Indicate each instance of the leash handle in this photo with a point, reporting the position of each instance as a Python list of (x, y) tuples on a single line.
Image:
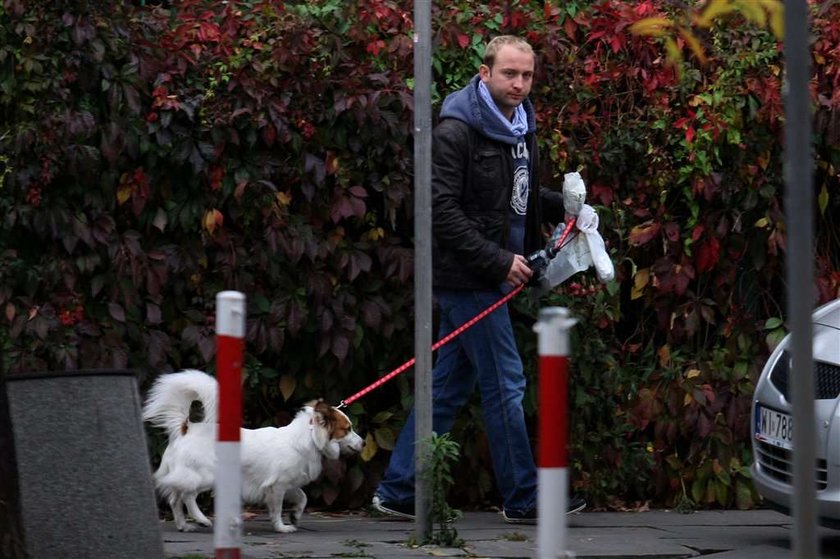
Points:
[(559, 244)]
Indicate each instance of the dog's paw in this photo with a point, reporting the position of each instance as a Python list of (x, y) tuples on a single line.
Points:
[(206, 522), (285, 528), (187, 527)]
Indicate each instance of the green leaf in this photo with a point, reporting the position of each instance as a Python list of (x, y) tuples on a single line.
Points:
[(384, 438), (722, 493), (772, 323), (822, 199), (774, 338), (744, 496), (382, 417), (698, 490)]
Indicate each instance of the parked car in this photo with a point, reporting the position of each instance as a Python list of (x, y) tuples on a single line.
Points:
[(772, 425)]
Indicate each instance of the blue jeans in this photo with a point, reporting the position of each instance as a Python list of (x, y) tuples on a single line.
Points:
[(486, 353)]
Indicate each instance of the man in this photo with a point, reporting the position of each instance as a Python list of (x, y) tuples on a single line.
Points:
[(487, 215)]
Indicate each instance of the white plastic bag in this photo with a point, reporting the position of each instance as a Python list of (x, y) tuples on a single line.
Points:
[(572, 258), (574, 193), (578, 253), (587, 223)]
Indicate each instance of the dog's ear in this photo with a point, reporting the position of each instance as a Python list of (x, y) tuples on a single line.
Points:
[(325, 411), (341, 424), (324, 419), (321, 430)]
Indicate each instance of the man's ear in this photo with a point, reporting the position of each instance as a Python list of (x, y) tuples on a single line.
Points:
[(484, 72)]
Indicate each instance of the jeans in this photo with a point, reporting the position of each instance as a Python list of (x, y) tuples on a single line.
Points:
[(485, 353)]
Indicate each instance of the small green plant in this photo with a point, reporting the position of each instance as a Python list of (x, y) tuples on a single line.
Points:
[(515, 537), (441, 452), (684, 503), (359, 549), (351, 554), (355, 543)]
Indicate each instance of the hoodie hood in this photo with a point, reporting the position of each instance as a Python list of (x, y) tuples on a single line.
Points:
[(467, 106)]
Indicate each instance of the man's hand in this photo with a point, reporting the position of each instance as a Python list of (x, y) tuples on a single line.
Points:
[(519, 272)]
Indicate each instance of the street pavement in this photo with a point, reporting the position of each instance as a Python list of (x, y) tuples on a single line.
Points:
[(657, 534)]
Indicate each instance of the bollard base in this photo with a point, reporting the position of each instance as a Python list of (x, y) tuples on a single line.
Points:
[(552, 501)]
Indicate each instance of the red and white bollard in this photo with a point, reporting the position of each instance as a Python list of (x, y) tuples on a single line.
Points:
[(230, 343), (552, 330)]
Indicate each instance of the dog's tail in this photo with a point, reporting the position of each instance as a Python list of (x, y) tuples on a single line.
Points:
[(169, 400)]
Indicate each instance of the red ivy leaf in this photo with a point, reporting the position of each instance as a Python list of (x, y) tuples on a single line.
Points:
[(269, 134), (697, 232), (642, 234), (358, 191), (341, 207), (463, 40), (359, 262), (375, 46), (208, 31), (326, 321), (570, 26), (708, 254), (153, 314), (602, 193), (340, 346), (672, 277), (116, 311), (295, 316), (704, 424), (371, 314), (348, 206), (329, 493), (672, 231), (207, 347)]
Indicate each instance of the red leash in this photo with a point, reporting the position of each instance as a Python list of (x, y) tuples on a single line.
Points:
[(455, 333), (441, 342)]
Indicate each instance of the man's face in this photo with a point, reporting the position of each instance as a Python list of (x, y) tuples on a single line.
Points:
[(509, 80)]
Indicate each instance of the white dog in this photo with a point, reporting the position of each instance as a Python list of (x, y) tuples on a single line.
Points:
[(276, 462)]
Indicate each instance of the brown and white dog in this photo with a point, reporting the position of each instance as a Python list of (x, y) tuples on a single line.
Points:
[(276, 462)]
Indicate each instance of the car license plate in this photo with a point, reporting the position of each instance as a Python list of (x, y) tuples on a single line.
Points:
[(773, 427)]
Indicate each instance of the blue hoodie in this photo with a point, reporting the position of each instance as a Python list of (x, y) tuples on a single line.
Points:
[(467, 106)]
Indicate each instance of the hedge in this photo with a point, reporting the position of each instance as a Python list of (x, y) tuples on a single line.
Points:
[(151, 156)]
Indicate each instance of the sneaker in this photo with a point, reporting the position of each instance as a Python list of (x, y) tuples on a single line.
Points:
[(397, 510), (576, 504), (516, 517)]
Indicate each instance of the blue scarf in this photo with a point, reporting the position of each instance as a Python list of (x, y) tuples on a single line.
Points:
[(519, 126)]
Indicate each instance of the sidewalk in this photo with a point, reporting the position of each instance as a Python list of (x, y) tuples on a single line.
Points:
[(759, 534)]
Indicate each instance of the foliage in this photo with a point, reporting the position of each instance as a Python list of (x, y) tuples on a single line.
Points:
[(768, 13), (153, 156)]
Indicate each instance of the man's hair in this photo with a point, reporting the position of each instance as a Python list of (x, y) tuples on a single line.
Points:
[(497, 43)]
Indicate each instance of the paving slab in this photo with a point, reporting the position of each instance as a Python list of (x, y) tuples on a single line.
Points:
[(659, 534)]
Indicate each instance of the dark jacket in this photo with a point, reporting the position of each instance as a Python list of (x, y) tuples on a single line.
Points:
[(472, 180)]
